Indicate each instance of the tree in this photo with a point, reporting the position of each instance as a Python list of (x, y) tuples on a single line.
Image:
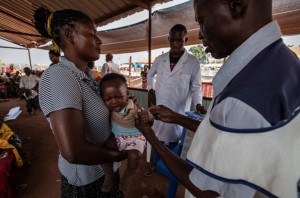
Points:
[(199, 52)]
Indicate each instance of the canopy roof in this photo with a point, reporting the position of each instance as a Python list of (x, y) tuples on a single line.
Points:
[(16, 16), (134, 38), (16, 21)]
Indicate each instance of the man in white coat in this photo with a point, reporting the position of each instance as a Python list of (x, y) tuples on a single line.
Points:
[(178, 84)]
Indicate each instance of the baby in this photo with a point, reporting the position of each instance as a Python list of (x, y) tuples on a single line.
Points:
[(113, 89)]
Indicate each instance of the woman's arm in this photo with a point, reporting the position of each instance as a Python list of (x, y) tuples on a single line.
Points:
[(68, 127)]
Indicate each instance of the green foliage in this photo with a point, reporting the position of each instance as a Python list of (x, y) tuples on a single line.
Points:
[(199, 52)]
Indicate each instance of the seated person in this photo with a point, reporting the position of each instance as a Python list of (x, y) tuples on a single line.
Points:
[(10, 145), (113, 89)]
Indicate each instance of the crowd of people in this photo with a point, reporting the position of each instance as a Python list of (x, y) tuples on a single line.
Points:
[(10, 79), (254, 111), (9, 82)]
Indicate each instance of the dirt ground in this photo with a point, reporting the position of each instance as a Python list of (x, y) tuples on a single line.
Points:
[(41, 173)]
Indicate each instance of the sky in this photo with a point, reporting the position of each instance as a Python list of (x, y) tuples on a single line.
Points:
[(41, 56)]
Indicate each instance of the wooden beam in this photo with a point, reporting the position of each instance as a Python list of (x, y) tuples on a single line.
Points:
[(15, 17), (140, 3), (20, 33)]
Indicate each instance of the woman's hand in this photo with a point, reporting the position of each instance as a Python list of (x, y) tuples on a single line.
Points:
[(123, 155)]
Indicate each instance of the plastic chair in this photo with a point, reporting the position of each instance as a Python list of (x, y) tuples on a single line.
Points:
[(161, 167)]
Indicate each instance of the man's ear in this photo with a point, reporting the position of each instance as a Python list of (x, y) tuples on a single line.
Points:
[(68, 35), (186, 39), (238, 8)]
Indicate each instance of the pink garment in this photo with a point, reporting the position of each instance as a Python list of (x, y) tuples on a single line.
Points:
[(131, 142), (6, 159)]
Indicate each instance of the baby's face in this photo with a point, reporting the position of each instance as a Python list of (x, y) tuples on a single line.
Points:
[(114, 94)]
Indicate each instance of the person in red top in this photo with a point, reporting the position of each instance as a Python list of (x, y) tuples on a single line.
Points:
[(12, 69), (97, 75)]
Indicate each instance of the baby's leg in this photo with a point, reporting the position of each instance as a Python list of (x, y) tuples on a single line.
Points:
[(108, 167), (133, 157), (108, 177)]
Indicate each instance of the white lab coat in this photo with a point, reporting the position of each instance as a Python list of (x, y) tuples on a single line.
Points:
[(175, 89)]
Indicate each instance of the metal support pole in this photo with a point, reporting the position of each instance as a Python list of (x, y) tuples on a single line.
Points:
[(19, 48), (29, 58), (129, 71), (149, 33)]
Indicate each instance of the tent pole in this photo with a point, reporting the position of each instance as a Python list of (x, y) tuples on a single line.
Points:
[(29, 58), (149, 33), (20, 48), (148, 154)]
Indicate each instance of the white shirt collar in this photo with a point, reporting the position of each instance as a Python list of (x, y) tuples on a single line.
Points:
[(183, 57), (242, 55)]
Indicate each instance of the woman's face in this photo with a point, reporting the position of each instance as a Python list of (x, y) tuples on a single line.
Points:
[(114, 94), (86, 41)]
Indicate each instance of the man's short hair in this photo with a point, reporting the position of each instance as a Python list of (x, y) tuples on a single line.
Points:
[(109, 56), (179, 28), (26, 68), (55, 53)]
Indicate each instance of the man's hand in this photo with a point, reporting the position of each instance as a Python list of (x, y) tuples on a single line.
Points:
[(27, 92), (162, 113), (152, 96), (201, 109), (145, 116), (142, 124)]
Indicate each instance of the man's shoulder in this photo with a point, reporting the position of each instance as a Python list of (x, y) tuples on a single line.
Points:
[(110, 64), (115, 64), (162, 56), (192, 58)]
